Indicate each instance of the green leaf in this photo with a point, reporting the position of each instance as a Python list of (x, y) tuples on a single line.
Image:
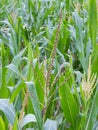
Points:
[(17, 91), (79, 40), (68, 5), (93, 21), (69, 104), (15, 124), (30, 56), (16, 60), (35, 104), (27, 119), (50, 125), (2, 125), (13, 68), (8, 110), (39, 82), (3, 89)]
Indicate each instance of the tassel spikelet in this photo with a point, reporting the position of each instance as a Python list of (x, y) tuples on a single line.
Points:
[(23, 107), (53, 53), (90, 83), (58, 75), (47, 73)]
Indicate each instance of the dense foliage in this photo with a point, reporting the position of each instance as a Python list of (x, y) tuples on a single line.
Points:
[(48, 65)]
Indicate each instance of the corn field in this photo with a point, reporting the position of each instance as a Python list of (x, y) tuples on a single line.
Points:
[(48, 64)]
